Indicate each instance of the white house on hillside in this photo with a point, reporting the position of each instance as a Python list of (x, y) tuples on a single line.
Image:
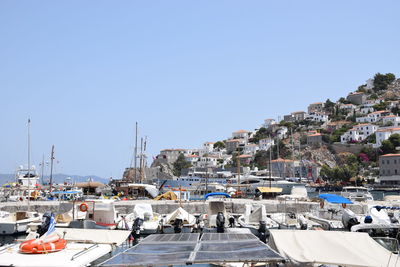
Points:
[(250, 149), (317, 116), (268, 122), (358, 133), (265, 143), (241, 134), (374, 116), (384, 134), (393, 119)]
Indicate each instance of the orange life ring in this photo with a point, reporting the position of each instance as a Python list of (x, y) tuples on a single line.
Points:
[(83, 207), (344, 205), (321, 204), (37, 246)]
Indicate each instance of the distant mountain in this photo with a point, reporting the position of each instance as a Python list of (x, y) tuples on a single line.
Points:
[(57, 178)]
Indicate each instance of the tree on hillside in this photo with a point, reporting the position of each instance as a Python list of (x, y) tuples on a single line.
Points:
[(180, 164), (381, 106), (390, 145), (381, 81), (219, 145), (260, 134), (261, 159), (329, 106)]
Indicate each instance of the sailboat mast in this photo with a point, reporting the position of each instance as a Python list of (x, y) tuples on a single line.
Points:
[(51, 168), (42, 175), (269, 162), (135, 159), (141, 160), (29, 161)]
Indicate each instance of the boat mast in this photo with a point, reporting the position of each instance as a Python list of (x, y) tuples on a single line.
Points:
[(29, 161), (135, 158), (51, 167), (269, 162), (42, 175), (141, 160)]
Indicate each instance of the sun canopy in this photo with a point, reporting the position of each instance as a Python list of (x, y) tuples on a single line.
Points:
[(270, 189), (332, 198), (330, 247)]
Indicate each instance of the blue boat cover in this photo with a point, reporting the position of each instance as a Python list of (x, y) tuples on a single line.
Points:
[(217, 194), (332, 198)]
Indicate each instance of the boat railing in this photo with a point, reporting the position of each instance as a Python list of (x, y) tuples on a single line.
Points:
[(86, 250)]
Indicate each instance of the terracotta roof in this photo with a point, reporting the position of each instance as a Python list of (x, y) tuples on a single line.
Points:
[(317, 134), (316, 103), (241, 131), (389, 129), (244, 156), (391, 155), (233, 140), (192, 156), (390, 116), (364, 124), (379, 111), (281, 160), (297, 112), (251, 145)]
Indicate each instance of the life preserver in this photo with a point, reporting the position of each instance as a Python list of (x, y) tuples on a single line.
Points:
[(344, 205), (49, 244), (321, 204), (83, 207)]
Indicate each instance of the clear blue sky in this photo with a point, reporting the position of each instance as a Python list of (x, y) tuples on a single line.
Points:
[(187, 71)]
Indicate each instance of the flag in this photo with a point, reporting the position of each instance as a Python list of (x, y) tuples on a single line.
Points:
[(52, 226)]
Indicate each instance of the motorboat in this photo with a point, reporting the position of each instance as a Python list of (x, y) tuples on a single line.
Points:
[(27, 177), (83, 246), (217, 218), (17, 222), (101, 211), (142, 221), (255, 219), (356, 193), (298, 193), (178, 221)]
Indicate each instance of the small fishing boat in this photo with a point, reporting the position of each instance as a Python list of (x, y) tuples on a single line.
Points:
[(17, 222), (356, 193)]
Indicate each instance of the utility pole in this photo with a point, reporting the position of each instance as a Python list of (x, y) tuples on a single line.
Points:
[(51, 168)]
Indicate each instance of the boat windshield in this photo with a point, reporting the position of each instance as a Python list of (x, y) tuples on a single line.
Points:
[(390, 244)]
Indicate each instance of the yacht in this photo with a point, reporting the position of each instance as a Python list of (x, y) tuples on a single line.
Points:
[(17, 222), (263, 181), (27, 177), (356, 193)]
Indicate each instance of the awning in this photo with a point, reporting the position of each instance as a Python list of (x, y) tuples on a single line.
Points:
[(348, 249), (270, 189), (332, 198), (185, 249)]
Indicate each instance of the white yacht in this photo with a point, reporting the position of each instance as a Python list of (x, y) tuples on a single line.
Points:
[(27, 177), (356, 193), (263, 181)]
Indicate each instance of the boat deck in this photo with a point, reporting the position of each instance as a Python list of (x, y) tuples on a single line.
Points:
[(190, 248)]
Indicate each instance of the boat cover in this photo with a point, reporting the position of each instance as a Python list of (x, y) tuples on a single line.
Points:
[(182, 249), (180, 213), (330, 247), (217, 194), (100, 236), (332, 198), (270, 189)]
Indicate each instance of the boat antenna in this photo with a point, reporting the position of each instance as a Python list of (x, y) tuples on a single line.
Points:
[(51, 167), (29, 161)]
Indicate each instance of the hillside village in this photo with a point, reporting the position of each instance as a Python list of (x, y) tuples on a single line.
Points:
[(344, 141)]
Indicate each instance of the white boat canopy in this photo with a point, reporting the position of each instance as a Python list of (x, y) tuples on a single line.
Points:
[(336, 248)]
